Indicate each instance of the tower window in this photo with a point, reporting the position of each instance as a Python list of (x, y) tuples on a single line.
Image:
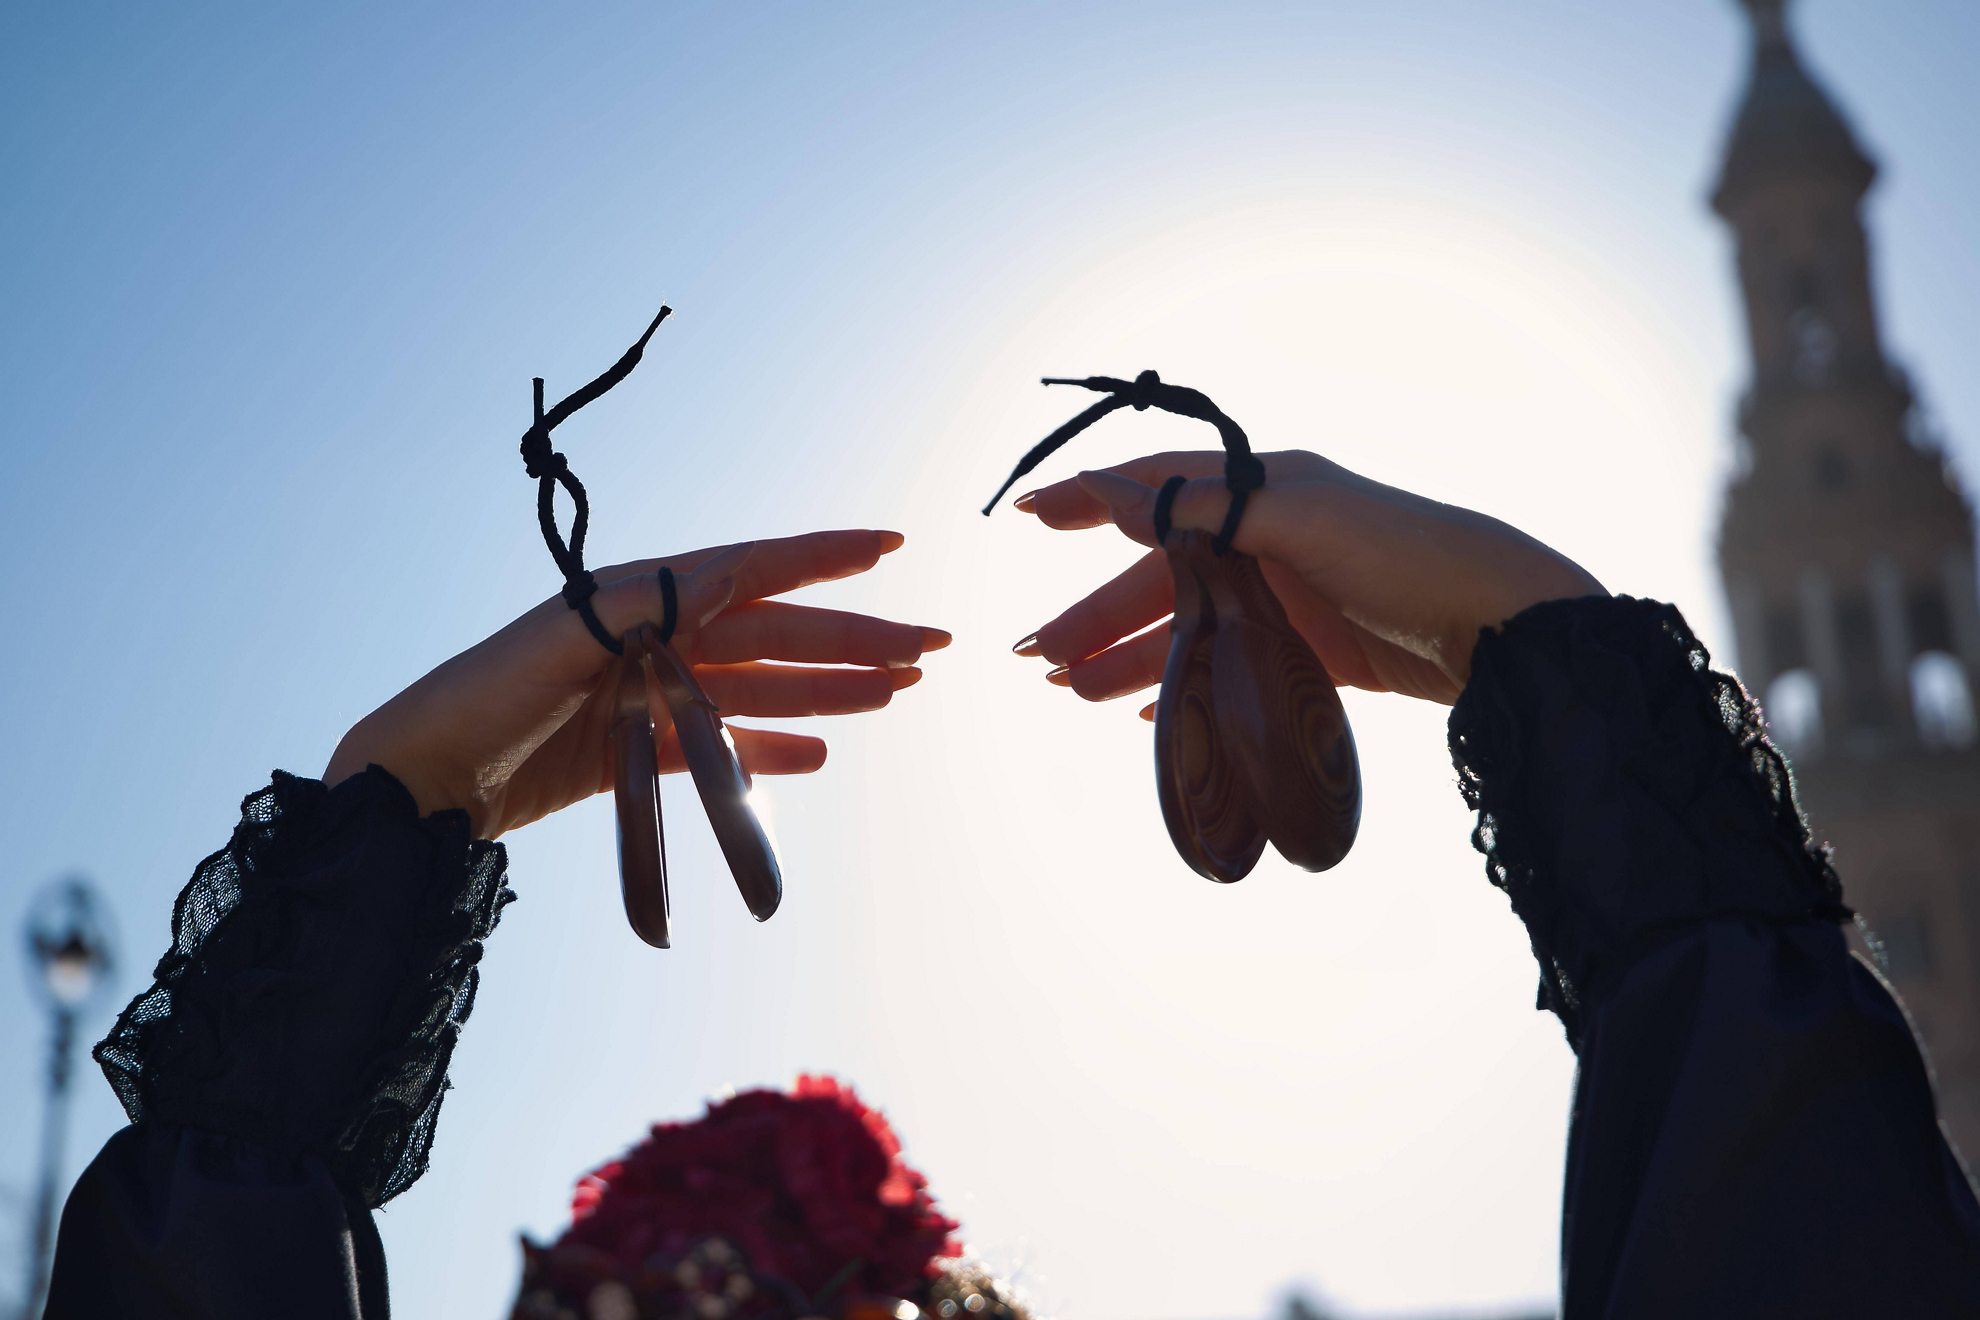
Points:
[(1941, 702), (1814, 346), (1866, 704), (1794, 712), (1926, 621), (1831, 468), (1783, 640)]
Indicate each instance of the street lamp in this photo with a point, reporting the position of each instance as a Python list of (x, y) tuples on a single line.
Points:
[(68, 939)]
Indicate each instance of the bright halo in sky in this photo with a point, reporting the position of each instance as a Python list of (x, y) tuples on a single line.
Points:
[(1341, 1074)]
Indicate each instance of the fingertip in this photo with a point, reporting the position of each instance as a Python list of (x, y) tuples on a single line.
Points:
[(810, 754), (1028, 647), (1148, 712), (890, 542), (905, 677), (1060, 676), (1026, 503), (934, 639)]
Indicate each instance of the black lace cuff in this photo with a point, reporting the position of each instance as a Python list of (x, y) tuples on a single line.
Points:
[(321, 966), (1625, 792)]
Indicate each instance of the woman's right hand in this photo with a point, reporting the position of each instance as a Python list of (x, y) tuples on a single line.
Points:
[(1389, 588)]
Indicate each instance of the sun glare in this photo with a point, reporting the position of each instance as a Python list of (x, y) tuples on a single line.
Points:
[(1263, 1035)]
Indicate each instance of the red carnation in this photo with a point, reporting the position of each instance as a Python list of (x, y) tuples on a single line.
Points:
[(808, 1184)]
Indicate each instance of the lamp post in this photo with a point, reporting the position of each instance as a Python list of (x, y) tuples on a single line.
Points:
[(68, 938)]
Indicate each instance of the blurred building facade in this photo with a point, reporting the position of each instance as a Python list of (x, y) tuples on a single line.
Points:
[(1847, 553)]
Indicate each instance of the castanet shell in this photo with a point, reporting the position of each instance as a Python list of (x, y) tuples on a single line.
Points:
[(1280, 718), (719, 779), (636, 788), (1203, 799)]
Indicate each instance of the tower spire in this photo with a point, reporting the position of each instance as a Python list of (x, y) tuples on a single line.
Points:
[(1786, 124), (1769, 21)]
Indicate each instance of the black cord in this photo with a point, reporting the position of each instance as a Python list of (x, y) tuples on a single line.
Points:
[(1165, 500), (670, 605), (550, 469), (1243, 472)]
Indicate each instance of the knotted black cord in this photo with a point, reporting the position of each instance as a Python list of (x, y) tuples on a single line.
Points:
[(1243, 472), (550, 469)]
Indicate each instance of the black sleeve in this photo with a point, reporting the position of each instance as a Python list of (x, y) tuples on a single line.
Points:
[(284, 1072), (1753, 1132)]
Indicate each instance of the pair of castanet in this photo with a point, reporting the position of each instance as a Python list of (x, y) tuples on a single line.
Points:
[(1251, 742), (652, 668)]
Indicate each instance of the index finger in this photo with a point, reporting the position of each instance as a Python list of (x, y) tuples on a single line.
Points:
[(1066, 505), (783, 563)]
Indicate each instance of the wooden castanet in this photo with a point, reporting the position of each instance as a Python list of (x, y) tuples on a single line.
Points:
[(1251, 742), (1203, 800), (636, 787), (1280, 717), (718, 778)]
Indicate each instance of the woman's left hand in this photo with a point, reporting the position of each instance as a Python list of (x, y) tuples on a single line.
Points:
[(519, 725)]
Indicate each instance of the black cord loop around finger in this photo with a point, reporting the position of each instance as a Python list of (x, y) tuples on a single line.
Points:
[(1165, 500), (670, 605), (1243, 471)]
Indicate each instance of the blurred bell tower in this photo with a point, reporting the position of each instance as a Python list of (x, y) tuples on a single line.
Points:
[(1847, 552)]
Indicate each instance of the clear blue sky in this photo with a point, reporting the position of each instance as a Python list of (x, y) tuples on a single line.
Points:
[(275, 279)]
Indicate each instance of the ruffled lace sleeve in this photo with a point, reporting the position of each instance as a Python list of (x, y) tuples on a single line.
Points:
[(1625, 791), (321, 967), (1753, 1129), (284, 1072)]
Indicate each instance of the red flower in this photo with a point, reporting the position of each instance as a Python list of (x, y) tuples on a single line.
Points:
[(807, 1183)]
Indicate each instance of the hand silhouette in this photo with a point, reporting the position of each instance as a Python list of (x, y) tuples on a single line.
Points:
[(518, 725), (1389, 588)]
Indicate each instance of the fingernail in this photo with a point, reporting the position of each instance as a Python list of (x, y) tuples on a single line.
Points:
[(1148, 712), (905, 677), (1061, 677), (1029, 646), (1024, 502), (934, 639), (890, 542)]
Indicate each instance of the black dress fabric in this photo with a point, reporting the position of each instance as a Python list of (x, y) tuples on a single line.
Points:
[(1753, 1132), (1753, 1129), (284, 1073)]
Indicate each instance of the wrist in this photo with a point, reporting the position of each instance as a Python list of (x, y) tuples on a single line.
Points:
[(1548, 579), (357, 751)]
